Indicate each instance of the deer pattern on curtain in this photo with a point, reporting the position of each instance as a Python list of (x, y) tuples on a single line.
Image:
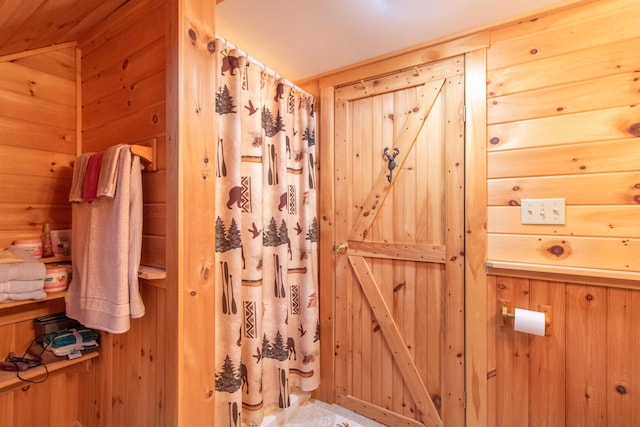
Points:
[(267, 325)]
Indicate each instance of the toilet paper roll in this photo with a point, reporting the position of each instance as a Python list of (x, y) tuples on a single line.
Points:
[(529, 322)]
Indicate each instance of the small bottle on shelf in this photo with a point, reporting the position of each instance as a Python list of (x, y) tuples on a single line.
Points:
[(47, 248)]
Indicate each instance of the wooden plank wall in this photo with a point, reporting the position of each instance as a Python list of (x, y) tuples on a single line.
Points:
[(191, 269), (37, 142), (564, 121), (123, 101)]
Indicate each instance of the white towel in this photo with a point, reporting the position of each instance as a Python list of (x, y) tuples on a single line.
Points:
[(22, 296), (103, 291), (136, 306), (29, 269), (79, 172), (21, 286), (109, 171)]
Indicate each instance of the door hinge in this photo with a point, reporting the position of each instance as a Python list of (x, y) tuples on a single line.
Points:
[(464, 113)]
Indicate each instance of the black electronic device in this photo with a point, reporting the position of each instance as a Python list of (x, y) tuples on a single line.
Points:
[(53, 323)]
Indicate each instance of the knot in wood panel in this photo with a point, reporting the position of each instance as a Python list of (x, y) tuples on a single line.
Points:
[(204, 273), (192, 35), (376, 326), (556, 250), (437, 401), (399, 286), (634, 129)]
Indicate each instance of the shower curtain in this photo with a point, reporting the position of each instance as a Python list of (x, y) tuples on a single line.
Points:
[(267, 325)]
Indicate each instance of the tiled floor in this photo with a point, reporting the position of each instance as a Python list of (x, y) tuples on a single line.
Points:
[(314, 413), (344, 417)]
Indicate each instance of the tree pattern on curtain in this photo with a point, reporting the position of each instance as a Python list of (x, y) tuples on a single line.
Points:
[(267, 325)]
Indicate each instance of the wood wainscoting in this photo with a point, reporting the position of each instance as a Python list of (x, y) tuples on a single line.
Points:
[(586, 373)]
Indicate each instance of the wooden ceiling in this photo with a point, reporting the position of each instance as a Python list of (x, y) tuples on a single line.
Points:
[(33, 24)]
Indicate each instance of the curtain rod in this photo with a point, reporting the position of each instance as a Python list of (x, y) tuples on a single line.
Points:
[(265, 69)]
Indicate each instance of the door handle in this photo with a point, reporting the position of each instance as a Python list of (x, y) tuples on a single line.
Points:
[(340, 248)]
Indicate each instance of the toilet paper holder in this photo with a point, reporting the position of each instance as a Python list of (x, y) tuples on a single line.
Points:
[(505, 313)]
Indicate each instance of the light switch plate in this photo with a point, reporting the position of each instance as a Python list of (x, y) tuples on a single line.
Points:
[(542, 211)]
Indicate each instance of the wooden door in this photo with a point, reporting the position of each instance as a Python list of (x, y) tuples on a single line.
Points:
[(399, 197)]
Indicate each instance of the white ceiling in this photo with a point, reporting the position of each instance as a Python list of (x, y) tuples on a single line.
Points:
[(305, 38)]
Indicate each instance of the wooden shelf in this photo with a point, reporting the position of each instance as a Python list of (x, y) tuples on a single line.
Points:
[(54, 259), (151, 273), (589, 276), (9, 380), (145, 272), (49, 297)]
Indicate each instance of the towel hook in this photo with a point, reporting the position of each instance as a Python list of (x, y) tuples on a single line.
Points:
[(391, 158)]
